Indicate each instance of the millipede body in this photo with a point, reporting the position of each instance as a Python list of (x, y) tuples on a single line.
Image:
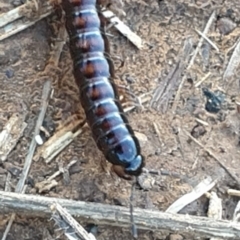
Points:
[(94, 73)]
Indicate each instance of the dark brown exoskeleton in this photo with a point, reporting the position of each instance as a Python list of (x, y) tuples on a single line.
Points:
[(94, 73)]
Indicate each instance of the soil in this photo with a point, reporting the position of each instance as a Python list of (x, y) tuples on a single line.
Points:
[(164, 26)]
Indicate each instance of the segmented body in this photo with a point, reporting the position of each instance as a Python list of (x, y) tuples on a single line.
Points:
[(94, 73)]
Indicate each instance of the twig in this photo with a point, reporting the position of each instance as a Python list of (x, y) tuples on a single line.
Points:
[(123, 29), (21, 24), (7, 183), (59, 141), (215, 209), (204, 123), (46, 185), (233, 192), (209, 24), (61, 170), (215, 206), (55, 55), (97, 213), (50, 182), (11, 133), (207, 39), (144, 98), (233, 62), (236, 215), (203, 79), (71, 228), (16, 13), (156, 128), (196, 193), (28, 160)]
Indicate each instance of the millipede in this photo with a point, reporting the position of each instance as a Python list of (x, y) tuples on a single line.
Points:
[(93, 71)]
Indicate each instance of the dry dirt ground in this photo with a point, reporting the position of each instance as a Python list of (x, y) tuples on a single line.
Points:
[(164, 26)]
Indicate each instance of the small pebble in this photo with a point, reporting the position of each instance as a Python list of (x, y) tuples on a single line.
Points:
[(92, 228), (17, 3), (198, 131), (146, 181), (3, 57), (9, 73), (175, 237), (225, 25), (15, 171)]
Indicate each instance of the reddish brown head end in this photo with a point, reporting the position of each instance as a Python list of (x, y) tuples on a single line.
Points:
[(120, 171)]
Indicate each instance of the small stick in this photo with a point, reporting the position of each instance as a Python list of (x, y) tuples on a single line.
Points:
[(236, 215), (16, 13), (215, 206), (49, 183), (11, 133), (208, 40), (7, 184), (33, 145), (55, 56), (144, 98), (156, 128), (209, 24), (234, 62), (71, 228), (203, 79), (20, 25), (46, 185), (163, 172), (233, 192), (59, 141), (204, 123), (61, 170), (123, 29), (196, 193), (215, 209)]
